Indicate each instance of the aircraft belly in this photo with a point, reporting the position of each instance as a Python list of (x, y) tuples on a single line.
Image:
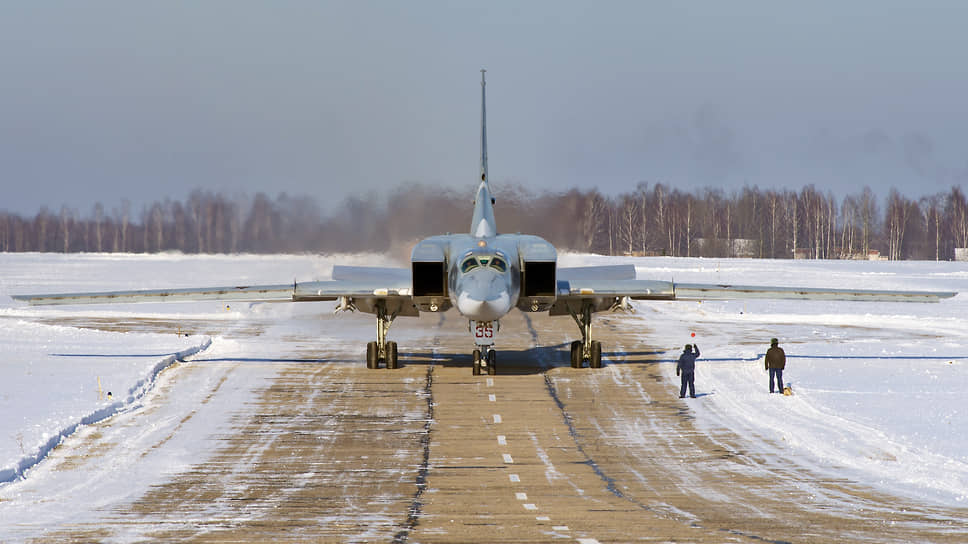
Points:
[(397, 306), (574, 305)]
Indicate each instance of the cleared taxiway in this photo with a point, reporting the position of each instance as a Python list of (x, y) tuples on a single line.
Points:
[(325, 450)]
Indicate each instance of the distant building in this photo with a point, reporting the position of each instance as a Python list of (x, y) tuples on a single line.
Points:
[(961, 253), (721, 247), (745, 247), (838, 253), (646, 253)]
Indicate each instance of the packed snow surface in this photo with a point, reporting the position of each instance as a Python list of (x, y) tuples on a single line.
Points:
[(878, 388)]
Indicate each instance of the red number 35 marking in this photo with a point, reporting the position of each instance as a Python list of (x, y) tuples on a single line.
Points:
[(484, 330)]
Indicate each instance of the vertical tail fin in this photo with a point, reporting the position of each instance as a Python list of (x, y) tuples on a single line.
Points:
[(483, 129), (483, 223)]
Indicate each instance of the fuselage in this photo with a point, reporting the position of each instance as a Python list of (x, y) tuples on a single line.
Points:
[(484, 275)]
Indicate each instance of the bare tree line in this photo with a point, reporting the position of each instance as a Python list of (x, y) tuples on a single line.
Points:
[(651, 220)]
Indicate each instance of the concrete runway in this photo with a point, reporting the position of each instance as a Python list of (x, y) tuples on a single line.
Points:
[(325, 450)]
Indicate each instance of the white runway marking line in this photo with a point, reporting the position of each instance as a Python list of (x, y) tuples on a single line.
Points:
[(560, 528), (521, 496), (507, 458), (587, 541), (514, 478), (543, 518), (492, 397), (497, 418), (490, 382), (502, 440), (529, 506)]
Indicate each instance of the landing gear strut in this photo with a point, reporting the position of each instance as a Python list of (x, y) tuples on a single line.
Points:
[(485, 360), (585, 349), (381, 351)]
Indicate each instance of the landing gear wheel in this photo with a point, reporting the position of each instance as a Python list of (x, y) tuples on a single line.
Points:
[(392, 355), (477, 362), (596, 359), (372, 354), (576, 354), (491, 362)]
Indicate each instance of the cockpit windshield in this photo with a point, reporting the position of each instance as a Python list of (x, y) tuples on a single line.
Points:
[(471, 262)]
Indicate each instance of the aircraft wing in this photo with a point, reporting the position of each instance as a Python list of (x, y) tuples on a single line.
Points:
[(282, 292), (605, 272), (603, 294), (396, 276), (701, 291), (361, 287)]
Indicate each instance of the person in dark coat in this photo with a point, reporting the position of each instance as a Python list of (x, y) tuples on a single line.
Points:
[(775, 362), (686, 367)]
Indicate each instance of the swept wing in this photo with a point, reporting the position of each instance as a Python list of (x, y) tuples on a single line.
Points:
[(702, 291), (365, 286), (374, 283), (274, 293), (602, 285)]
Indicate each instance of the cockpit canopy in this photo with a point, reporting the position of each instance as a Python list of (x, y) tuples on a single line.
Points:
[(493, 260)]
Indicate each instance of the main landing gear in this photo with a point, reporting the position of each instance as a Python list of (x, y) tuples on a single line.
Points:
[(381, 351), (485, 361), (585, 349)]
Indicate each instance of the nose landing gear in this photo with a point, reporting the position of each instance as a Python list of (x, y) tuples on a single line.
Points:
[(485, 358), (485, 361)]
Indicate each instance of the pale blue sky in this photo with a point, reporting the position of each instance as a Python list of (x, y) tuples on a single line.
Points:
[(101, 101)]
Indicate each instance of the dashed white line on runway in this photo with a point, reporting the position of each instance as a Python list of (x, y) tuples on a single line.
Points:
[(497, 418), (502, 440), (507, 458)]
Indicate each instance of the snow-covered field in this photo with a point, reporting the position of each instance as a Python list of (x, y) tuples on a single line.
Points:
[(55, 377), (879, 388)]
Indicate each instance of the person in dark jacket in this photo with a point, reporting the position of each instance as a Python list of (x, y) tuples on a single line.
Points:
[(686, 367), (775, 362)]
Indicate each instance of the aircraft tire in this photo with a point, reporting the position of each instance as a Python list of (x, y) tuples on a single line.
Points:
[(596, 358), (491, 362), (477, 362), (372, 353), (392, 360), (576, 353)]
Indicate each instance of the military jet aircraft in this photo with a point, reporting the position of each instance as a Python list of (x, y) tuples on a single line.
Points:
[(484, 275)]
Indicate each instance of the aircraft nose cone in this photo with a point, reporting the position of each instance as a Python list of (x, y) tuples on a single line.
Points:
[(483, 296)]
